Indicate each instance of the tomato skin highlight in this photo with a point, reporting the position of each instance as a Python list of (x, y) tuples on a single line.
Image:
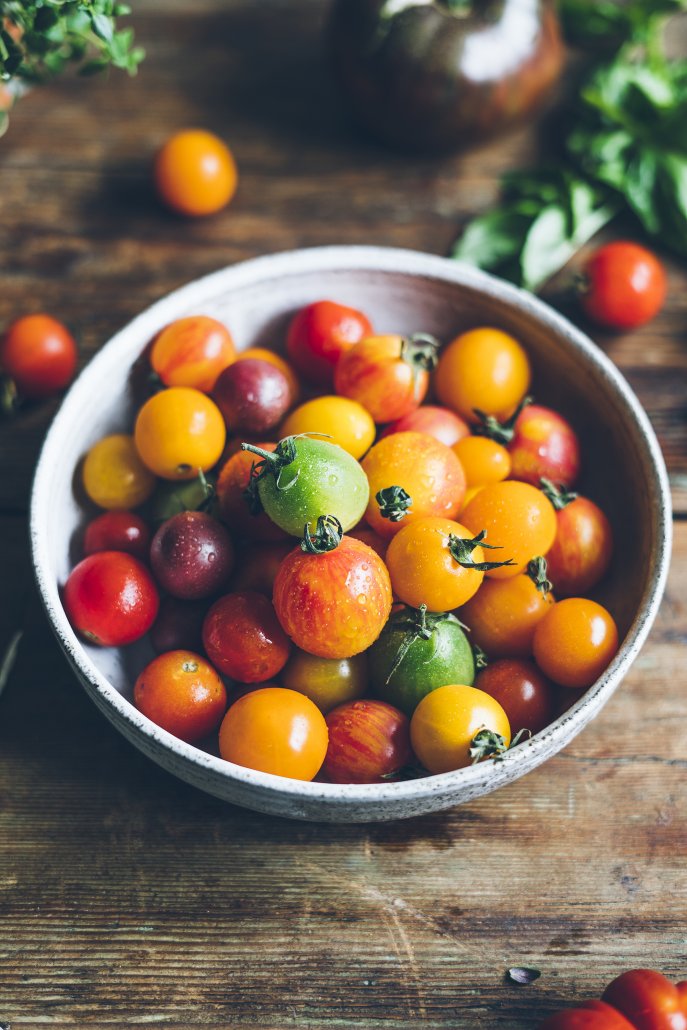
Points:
[(111, 599), (182, 693), (591, 1015), (39, 354), (319, 335), (582, 551), (276, 731), (626, 286), (195, 173), (243, 639), (545, 446), (648, 999), (374, 373), (118, 531), (368, 741), (192, 352), (333, 605)]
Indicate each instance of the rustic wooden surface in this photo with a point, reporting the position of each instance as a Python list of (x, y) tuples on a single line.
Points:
[(127, 898)]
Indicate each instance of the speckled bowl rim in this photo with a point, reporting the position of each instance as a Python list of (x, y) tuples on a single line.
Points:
[(452, 787)]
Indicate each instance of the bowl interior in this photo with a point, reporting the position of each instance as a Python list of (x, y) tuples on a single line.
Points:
[(400, 292)]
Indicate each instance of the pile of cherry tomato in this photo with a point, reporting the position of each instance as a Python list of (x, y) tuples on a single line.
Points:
[(362, 560), (640, 999)]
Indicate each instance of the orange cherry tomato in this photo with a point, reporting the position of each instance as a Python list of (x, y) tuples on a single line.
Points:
[(518, 519), (484, 369), (179, 431), (575, 642), (263, 354), (423, 567), (328, 682), (335, 604), (582, 551), (504, 613), (427, 470), (447, 720), (483, 460), (114, 477), (276, 731), (195, 173), (341, 420), (242, 518), (39, 354), (386, 374), (192, 352), (183, 694)]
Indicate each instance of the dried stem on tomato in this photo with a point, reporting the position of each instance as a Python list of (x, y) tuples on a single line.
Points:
[(461, 551)]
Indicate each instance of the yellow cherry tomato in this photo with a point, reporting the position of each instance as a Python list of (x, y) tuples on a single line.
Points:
[(518, 519), (346, 422), (423, 569), (446, 722), (485, 369), (195, 173), (114, 477), (328, 682), (483, 460), (179, 431), (575, 642)]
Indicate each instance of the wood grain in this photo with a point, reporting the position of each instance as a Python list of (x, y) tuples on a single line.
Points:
[(129, 899)]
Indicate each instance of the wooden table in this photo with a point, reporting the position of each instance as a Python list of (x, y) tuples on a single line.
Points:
[(126, 897)]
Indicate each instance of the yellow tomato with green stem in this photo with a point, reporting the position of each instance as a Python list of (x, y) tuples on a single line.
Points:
[(456, 725)]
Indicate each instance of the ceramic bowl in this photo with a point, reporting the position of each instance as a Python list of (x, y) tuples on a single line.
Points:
[(401, 291)]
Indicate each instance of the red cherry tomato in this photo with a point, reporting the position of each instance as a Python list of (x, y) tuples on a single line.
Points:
[(368, 740), (649, 1000), (582, 551), (525, 695), (625, 285), (39, 354), (334, 604), (441, 423), (319, 334), (183, 694), (591, 1015), (544, 446), (118, 531), (111, 599), (243, 638), (388, 375)]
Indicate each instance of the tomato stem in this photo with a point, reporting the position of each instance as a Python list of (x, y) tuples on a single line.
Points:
[(488, 744), (394, 503), (461, 551), (502, 432), (9, 398), (536, 570), (421, 351), (275, 461), (557, 494), (327, 536), (480, 656)]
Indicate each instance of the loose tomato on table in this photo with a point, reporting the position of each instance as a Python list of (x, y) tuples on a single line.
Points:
[(195, 173), (320, 334), (118, 531), (114, 477), (192, 352), (38, 354), (243, 638), (179, 431), (341, 420), (328, 682), (590, 1015), (447, 721), (624, 286), (649, 1000), (575, 642), (369, 741), (581, 553), (411, 476), (504, 613), (484, 369), (541, 444), (441, 423), (517, 518), (183, 694), (276, 731), (334, 603), (521, 689), (436, 562), (111, 599), (388, 375), (417, 652), (192, 556)]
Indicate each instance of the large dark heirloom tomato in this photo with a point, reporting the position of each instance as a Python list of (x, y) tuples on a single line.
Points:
[(437, 74)]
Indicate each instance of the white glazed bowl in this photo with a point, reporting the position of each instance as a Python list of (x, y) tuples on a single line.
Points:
[(402, 291)]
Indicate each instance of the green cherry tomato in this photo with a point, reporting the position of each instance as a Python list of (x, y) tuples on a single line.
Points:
[(417, 652), (305, 478)]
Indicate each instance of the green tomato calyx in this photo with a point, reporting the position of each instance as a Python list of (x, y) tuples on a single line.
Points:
[(327, 536), (416, 624), (480, 656), (501, 432), (421, 351), (536, 570), (557, 494), (488, 744), (274, 462), (461, 551), (394, 503)]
